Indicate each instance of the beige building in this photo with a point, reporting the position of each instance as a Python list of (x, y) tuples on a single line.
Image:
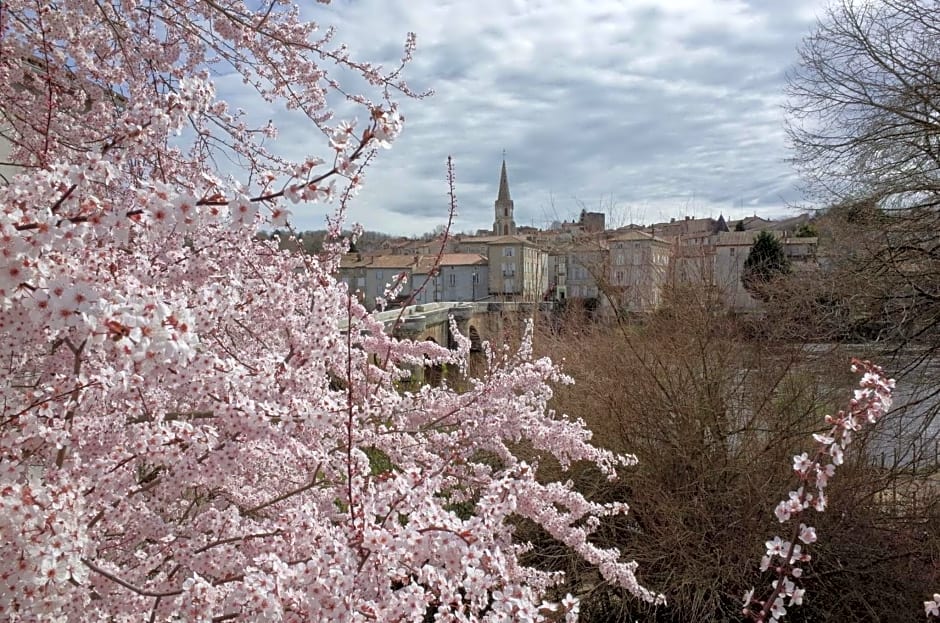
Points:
[(418, 247), (623, 270), (677, 229), (518, 269), (731, 250), (557, 264), (474, 244), (639, 266)]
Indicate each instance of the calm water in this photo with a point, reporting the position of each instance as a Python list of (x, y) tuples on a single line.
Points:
[(910, 433)]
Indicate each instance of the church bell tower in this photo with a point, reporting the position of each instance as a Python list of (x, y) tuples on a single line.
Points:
[(504, 225)]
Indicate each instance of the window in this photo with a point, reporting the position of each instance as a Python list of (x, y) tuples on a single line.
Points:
[(476, 278), (452, 280), (509, 251), (732, 251), (379, 274)]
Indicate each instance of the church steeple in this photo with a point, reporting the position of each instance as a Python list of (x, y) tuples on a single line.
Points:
[(504, 225), (503, 196)]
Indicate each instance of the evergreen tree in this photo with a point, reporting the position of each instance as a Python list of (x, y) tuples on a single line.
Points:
[(766, 261), (807, 230)]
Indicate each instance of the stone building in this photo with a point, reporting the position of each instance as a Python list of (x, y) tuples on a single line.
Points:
[(423, 278), (592, 222), (717, 261), (586, 264), (452, 277), (639, 266), (518, 269)]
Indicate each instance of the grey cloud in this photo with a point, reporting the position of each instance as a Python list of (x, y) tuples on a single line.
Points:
[(651, 110)]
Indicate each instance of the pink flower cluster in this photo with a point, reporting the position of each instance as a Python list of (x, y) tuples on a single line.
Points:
[(870, 402)]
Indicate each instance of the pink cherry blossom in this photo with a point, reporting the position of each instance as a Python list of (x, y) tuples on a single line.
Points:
[(807, 534), (198, 425), (777, 547), (869, 404), (932, 607), (801, 463)]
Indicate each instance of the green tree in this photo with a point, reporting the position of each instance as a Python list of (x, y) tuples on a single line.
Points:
[(807, 230), (765, 262)]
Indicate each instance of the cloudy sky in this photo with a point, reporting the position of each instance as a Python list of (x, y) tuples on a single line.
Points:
[(644, 109)]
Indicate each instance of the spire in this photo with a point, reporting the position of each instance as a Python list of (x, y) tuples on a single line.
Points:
[(721, 225), (503, 196), (504, 225)]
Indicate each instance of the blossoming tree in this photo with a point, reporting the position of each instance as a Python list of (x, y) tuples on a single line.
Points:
[(198, 426)]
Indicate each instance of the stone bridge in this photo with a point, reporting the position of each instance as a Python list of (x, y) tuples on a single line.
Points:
[(479, 321), (498, 323)]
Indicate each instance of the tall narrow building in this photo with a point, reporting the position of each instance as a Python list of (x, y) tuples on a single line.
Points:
[(504, 225)]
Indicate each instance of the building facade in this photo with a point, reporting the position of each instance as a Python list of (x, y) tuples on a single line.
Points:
[(455, 277), (586, 265), (717, 261), (518, 269), (639, 266), (418, 279)]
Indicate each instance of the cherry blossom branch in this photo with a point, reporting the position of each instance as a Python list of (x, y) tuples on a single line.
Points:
[(38, 403), (434, 271), (136, 589), (349, 407), (869, 404), (237, 539), (288, 494), (177, 297), (368, 138)]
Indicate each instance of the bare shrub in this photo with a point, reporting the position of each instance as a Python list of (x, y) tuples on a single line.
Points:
[(714, 414)]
